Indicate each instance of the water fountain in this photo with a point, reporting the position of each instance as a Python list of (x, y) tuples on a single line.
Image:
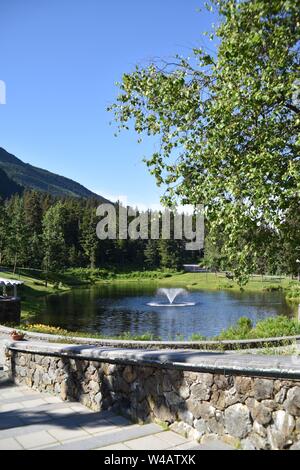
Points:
[(171, 295)]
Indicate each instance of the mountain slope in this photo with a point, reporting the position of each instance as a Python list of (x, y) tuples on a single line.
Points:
[(32, 177), (7, 186)]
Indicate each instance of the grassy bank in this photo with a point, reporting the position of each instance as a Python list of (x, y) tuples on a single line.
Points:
[(211, 281), (169, 278), (33, 291)]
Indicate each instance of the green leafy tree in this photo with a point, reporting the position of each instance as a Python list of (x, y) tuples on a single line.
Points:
[(228, 123)]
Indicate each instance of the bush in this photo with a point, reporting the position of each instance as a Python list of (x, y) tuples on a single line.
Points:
[(293, 292), (270, 327), (273, 288), (197, 337), (241, 330), (276, 326), (90, 275)]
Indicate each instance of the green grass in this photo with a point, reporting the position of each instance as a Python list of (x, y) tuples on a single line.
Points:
[(33, 292), (211, 281)]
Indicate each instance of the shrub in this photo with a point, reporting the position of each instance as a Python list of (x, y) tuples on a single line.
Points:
[(270, 327), (241, 330), (276, 326), (272, 288), (293, 292), (197, 337)]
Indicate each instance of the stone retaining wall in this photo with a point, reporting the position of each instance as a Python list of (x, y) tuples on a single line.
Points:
[(247, 412)]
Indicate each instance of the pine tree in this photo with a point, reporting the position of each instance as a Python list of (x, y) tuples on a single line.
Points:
[(151, 254), (18, 233), (53, 239), (171, 254), (3, 230), (88, 237)]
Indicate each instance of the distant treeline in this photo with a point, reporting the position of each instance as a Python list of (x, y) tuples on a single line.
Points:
[(41, 231)]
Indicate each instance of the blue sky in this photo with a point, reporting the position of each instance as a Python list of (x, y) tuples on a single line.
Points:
[(60, 60)]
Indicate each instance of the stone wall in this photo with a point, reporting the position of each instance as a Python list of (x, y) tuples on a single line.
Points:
[(10, 310), (247, 412)]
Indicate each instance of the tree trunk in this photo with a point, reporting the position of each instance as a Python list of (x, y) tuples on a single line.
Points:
[(15, 264)]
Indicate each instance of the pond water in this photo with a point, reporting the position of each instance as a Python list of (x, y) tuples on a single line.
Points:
[(117, 308)]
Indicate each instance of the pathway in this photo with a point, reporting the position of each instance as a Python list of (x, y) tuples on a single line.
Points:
[(32, 420)]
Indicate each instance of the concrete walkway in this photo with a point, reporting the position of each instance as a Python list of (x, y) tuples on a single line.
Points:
[(31, 420), (34, 420)]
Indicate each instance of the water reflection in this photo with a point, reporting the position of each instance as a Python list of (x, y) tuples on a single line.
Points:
[(118, 308)]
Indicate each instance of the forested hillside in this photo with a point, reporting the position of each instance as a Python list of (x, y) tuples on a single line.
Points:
[(7, 186), (32, 177)]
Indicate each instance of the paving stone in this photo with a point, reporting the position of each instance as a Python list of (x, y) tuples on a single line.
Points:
[(29, 391), (78, 408), (98, 428), (19, 431), (130, 432), (120, 446), (47, 407), (52, 399), (36, 439), (11, 406), (59, 412), (191, 446), (62, 434), (9, 444), (119, 420), (7, 422), (22, 398), (11, 395), (172, 438), (147, 443), (32, 418), (33, 403)]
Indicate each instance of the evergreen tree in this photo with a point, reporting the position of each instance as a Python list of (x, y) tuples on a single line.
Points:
[(33, 211), (171, 254), (3, 230), (151, 254), (88, 236), (54, 247), (18, 233)]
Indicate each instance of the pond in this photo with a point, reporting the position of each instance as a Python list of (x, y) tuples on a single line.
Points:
[(113, 309)]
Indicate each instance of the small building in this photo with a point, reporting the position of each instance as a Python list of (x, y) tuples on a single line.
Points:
[(10, 303), (194, 268)]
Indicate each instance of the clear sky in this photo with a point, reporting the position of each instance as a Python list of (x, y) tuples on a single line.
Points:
[(60, 60)]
